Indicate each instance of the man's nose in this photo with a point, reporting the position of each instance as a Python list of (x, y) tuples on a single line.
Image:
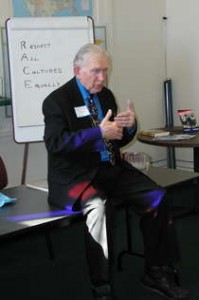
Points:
[(102, 75)]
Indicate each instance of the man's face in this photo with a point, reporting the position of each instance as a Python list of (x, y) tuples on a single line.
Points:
[(93, 73)]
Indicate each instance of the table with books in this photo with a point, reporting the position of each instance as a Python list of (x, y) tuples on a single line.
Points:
[(173, 137)]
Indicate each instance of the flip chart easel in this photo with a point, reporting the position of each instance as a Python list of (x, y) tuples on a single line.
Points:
[(40, 52)]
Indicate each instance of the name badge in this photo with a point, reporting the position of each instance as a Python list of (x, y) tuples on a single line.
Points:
[(82, 111)]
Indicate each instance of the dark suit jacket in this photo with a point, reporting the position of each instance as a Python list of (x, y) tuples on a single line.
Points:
[(72, 141)]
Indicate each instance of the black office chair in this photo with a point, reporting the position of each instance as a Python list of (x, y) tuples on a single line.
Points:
[(3, 175)]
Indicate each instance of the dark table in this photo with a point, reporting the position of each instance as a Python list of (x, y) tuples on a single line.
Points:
[(31, 211), (190, 143)]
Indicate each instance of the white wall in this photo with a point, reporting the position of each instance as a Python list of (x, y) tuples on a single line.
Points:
[(135, 38), (183, 61), (139, 62)]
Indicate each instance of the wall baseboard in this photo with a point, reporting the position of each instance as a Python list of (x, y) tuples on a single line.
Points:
[(180, 164)]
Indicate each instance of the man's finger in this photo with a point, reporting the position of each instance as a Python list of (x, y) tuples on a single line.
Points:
[(130, 105), (107, 117)]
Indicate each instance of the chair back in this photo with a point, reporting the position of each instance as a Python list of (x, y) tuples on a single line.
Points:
[(3, 175)]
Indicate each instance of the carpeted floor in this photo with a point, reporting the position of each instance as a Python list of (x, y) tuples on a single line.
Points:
[(127, 281)]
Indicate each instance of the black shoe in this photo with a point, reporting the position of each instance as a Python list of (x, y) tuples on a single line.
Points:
[(163, 281), (102, 292)]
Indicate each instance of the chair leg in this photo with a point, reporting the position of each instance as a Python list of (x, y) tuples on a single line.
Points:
[(129, 250), (49, 246)]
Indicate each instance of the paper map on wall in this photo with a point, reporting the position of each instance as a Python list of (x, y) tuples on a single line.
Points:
[(51, 8)]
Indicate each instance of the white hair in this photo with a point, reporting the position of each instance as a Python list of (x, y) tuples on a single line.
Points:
[(87, 51)]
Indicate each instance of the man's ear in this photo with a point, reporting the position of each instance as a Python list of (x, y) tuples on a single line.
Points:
[(76, 70)]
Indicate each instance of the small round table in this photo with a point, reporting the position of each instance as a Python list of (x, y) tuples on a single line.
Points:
[(188, 143)]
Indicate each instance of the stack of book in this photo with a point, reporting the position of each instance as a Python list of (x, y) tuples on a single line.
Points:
[(155, 132)]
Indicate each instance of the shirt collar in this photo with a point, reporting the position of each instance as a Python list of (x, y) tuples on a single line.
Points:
[(85, 93)]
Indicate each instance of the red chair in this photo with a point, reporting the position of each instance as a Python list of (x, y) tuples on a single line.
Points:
[(3, 175)]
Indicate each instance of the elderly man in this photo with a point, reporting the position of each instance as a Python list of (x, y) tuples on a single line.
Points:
[(83, 135)]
